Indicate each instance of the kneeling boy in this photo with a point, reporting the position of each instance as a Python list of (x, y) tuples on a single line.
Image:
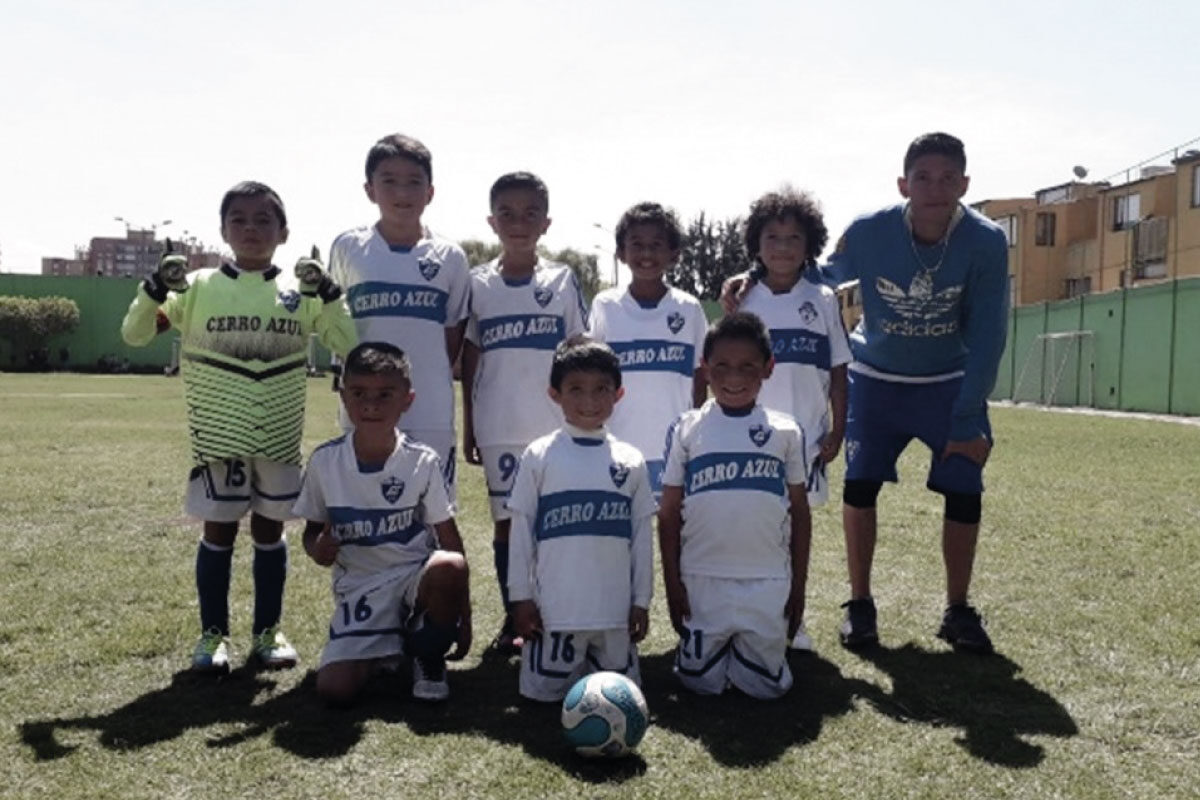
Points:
[(370, 498), (734, 525), (581, 552)]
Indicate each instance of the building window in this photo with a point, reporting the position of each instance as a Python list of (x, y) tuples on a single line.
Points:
[(1078, 286), (1126, 211), (1008, 224), (1044, 229), (1196, 186)]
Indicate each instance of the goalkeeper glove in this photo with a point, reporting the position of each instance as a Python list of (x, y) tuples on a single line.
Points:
[(171, 275), (314, 281)]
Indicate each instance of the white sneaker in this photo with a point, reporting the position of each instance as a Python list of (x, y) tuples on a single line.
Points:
[(802, 641), (272, 650), (429, 679), (211, 653)]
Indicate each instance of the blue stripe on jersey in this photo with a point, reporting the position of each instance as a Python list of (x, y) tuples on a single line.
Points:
[(379, 299), (525, 331), (753, 471), (656, 355), (800, 346), (374, 526), (583, 513)]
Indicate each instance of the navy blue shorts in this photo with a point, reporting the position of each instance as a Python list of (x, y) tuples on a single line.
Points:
[(883, 417)]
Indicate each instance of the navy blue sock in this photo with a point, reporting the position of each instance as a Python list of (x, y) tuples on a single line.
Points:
[(500, 559), (270, 572), (213, 565), (430, 639)]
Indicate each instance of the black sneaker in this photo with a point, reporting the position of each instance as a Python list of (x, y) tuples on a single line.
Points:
[(962, 628), (858, 629), (429, 679)]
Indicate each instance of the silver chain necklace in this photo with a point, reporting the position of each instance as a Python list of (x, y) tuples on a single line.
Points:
[(922, 282)]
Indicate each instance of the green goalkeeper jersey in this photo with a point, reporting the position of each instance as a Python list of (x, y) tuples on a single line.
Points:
[(244, 357)]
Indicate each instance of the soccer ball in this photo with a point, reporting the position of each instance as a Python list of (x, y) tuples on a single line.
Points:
[(604, 715)]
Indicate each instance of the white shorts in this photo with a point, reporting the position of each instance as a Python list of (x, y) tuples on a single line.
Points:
[(736, 635), (818, 481), (223, 491), (552, 662), (500, 470), (369, 618)]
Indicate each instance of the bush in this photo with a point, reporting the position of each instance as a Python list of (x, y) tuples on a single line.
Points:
[(27, 323)]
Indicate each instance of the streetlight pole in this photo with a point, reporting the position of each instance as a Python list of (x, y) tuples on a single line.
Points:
[(614, 252)]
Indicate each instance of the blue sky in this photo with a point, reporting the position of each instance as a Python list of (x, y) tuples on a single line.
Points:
[(150, 111)]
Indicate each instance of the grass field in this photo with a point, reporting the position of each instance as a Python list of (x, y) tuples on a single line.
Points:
[(1088, 572)]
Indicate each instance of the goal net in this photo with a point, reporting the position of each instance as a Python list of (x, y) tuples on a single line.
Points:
[(1058, 369)]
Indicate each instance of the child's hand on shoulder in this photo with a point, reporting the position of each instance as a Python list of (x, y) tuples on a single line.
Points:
[(639, 623), (527, 620)]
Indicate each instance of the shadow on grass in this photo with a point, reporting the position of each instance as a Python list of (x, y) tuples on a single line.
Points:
[(984, 696), (484, 703), (739, 731)]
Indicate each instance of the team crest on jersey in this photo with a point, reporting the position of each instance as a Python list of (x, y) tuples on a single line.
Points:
[(290, 300), (759, 434), (543, 296), (392, 488), (675, 321), (428, 267), (619, 473), (808, 313)]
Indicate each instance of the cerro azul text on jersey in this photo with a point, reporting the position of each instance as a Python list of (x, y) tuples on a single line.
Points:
[(587, 511), (252, 324), (668, 354), (723, 472), (515, 329), (408, 298), (397, 522)]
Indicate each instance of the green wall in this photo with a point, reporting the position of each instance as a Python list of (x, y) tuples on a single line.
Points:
[(1143, 355)]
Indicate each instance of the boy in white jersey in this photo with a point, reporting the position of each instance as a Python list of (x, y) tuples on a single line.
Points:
[(245, 328), (581, 549), (408, 287), (379, 514), (521, 308), (785, 232), (656, 330), (734, 526)]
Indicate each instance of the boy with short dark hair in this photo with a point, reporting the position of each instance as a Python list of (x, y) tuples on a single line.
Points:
[(245, 328), (522, 306), (408, 287), (656, 330), (379, 514), (734, 525), (581, 546)]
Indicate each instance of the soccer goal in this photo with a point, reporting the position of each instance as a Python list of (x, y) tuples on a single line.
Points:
[(1067, 374)]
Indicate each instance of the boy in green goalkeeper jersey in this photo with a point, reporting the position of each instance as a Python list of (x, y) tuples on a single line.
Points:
[(245, 329)]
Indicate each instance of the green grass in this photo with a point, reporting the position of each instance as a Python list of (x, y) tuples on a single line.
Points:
[(1087, 572)]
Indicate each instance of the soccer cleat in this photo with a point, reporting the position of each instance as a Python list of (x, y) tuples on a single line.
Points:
[(211, 653), (272, 650), (858, 629), (962, 628), (802, 641), (429, 679)]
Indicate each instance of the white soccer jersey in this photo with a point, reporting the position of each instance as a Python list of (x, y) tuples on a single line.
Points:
[(809, 339), (380, 518), (660, 349), (581, 545), (516, 326), (407, 297), (735, 471)]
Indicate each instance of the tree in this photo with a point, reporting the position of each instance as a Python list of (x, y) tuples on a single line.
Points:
[(710, 253), (479, 252), (28, 322)]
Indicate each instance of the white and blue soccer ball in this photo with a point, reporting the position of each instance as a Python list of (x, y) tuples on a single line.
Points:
[(604, 715)]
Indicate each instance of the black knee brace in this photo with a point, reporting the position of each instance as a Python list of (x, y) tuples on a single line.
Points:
[(964, 508), (861, 494)]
